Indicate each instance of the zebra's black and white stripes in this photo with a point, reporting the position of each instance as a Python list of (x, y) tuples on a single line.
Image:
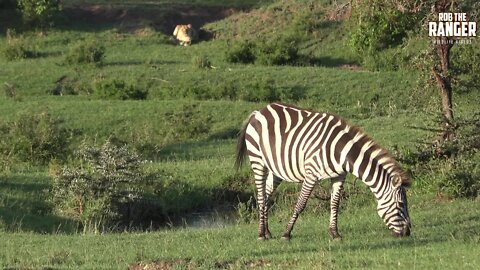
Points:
[(296, 145)]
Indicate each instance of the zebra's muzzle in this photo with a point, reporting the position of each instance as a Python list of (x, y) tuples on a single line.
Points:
[(404, 232)]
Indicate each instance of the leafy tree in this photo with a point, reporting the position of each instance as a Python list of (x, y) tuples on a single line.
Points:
[(41, 12)]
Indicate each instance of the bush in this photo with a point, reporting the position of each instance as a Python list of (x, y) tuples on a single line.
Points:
[(242, 52), (70, 86), (278, 51), (465, 63), (39, 12), (463, 179), (95, 188), (452, 165), (36, 138), (377, 25), (86, 52), (117, 89)]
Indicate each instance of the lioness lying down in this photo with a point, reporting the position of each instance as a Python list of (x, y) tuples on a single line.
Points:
[(185, 34)]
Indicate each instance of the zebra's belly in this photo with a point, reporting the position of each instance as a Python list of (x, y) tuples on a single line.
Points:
[(298, 171), (288, 175)]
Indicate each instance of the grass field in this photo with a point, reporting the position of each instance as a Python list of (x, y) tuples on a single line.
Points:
[(449, 241), (186, 128)]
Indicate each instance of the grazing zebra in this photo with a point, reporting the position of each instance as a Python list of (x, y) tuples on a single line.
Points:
[(284, 142)]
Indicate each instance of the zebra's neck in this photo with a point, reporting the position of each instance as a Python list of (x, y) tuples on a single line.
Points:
[(369, 162)]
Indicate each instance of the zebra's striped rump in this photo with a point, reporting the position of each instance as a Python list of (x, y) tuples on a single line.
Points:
[(287, 143)]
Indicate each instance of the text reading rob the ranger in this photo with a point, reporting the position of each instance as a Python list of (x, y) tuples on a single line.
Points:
[(452, 25)]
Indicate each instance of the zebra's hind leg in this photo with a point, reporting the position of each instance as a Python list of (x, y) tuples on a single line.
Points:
[(307, 188), (271, 185), (260, 184), (336, 195)]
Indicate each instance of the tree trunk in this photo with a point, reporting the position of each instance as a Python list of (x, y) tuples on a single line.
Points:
[(443, 45)]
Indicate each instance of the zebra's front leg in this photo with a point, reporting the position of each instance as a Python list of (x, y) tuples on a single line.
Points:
[(336, 195), (307, 189)]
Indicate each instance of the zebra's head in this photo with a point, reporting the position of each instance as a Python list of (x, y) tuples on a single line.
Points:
[(394, 207)]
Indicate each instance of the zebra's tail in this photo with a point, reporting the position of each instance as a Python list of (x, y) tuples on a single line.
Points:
[(241, 144)]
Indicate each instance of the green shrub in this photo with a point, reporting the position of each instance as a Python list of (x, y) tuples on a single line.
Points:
[(463, 179), (94, 189), (117, 89), (465, 66), (36, 138), (277, 51), (377, 25), (242, 52), (247, 211), (451, 166), (39, 12), (85, 52), (70, 86)]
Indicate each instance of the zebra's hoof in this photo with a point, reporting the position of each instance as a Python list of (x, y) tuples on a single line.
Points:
[(261, 238), (286, 237), (337, 238), (335, 235)]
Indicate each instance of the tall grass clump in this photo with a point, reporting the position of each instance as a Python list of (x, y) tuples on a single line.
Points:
[(98, 185), (10, 91), (201, 62), (87, 51), (36, 138), (118, 89), (17, 47)]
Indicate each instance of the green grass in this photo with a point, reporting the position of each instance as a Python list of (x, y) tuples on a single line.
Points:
[(389, 105), (446, 241)]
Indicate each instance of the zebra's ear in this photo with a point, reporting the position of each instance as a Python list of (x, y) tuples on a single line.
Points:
[(396, 181)]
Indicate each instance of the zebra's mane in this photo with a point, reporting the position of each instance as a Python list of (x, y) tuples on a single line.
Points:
[(384, 153)]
